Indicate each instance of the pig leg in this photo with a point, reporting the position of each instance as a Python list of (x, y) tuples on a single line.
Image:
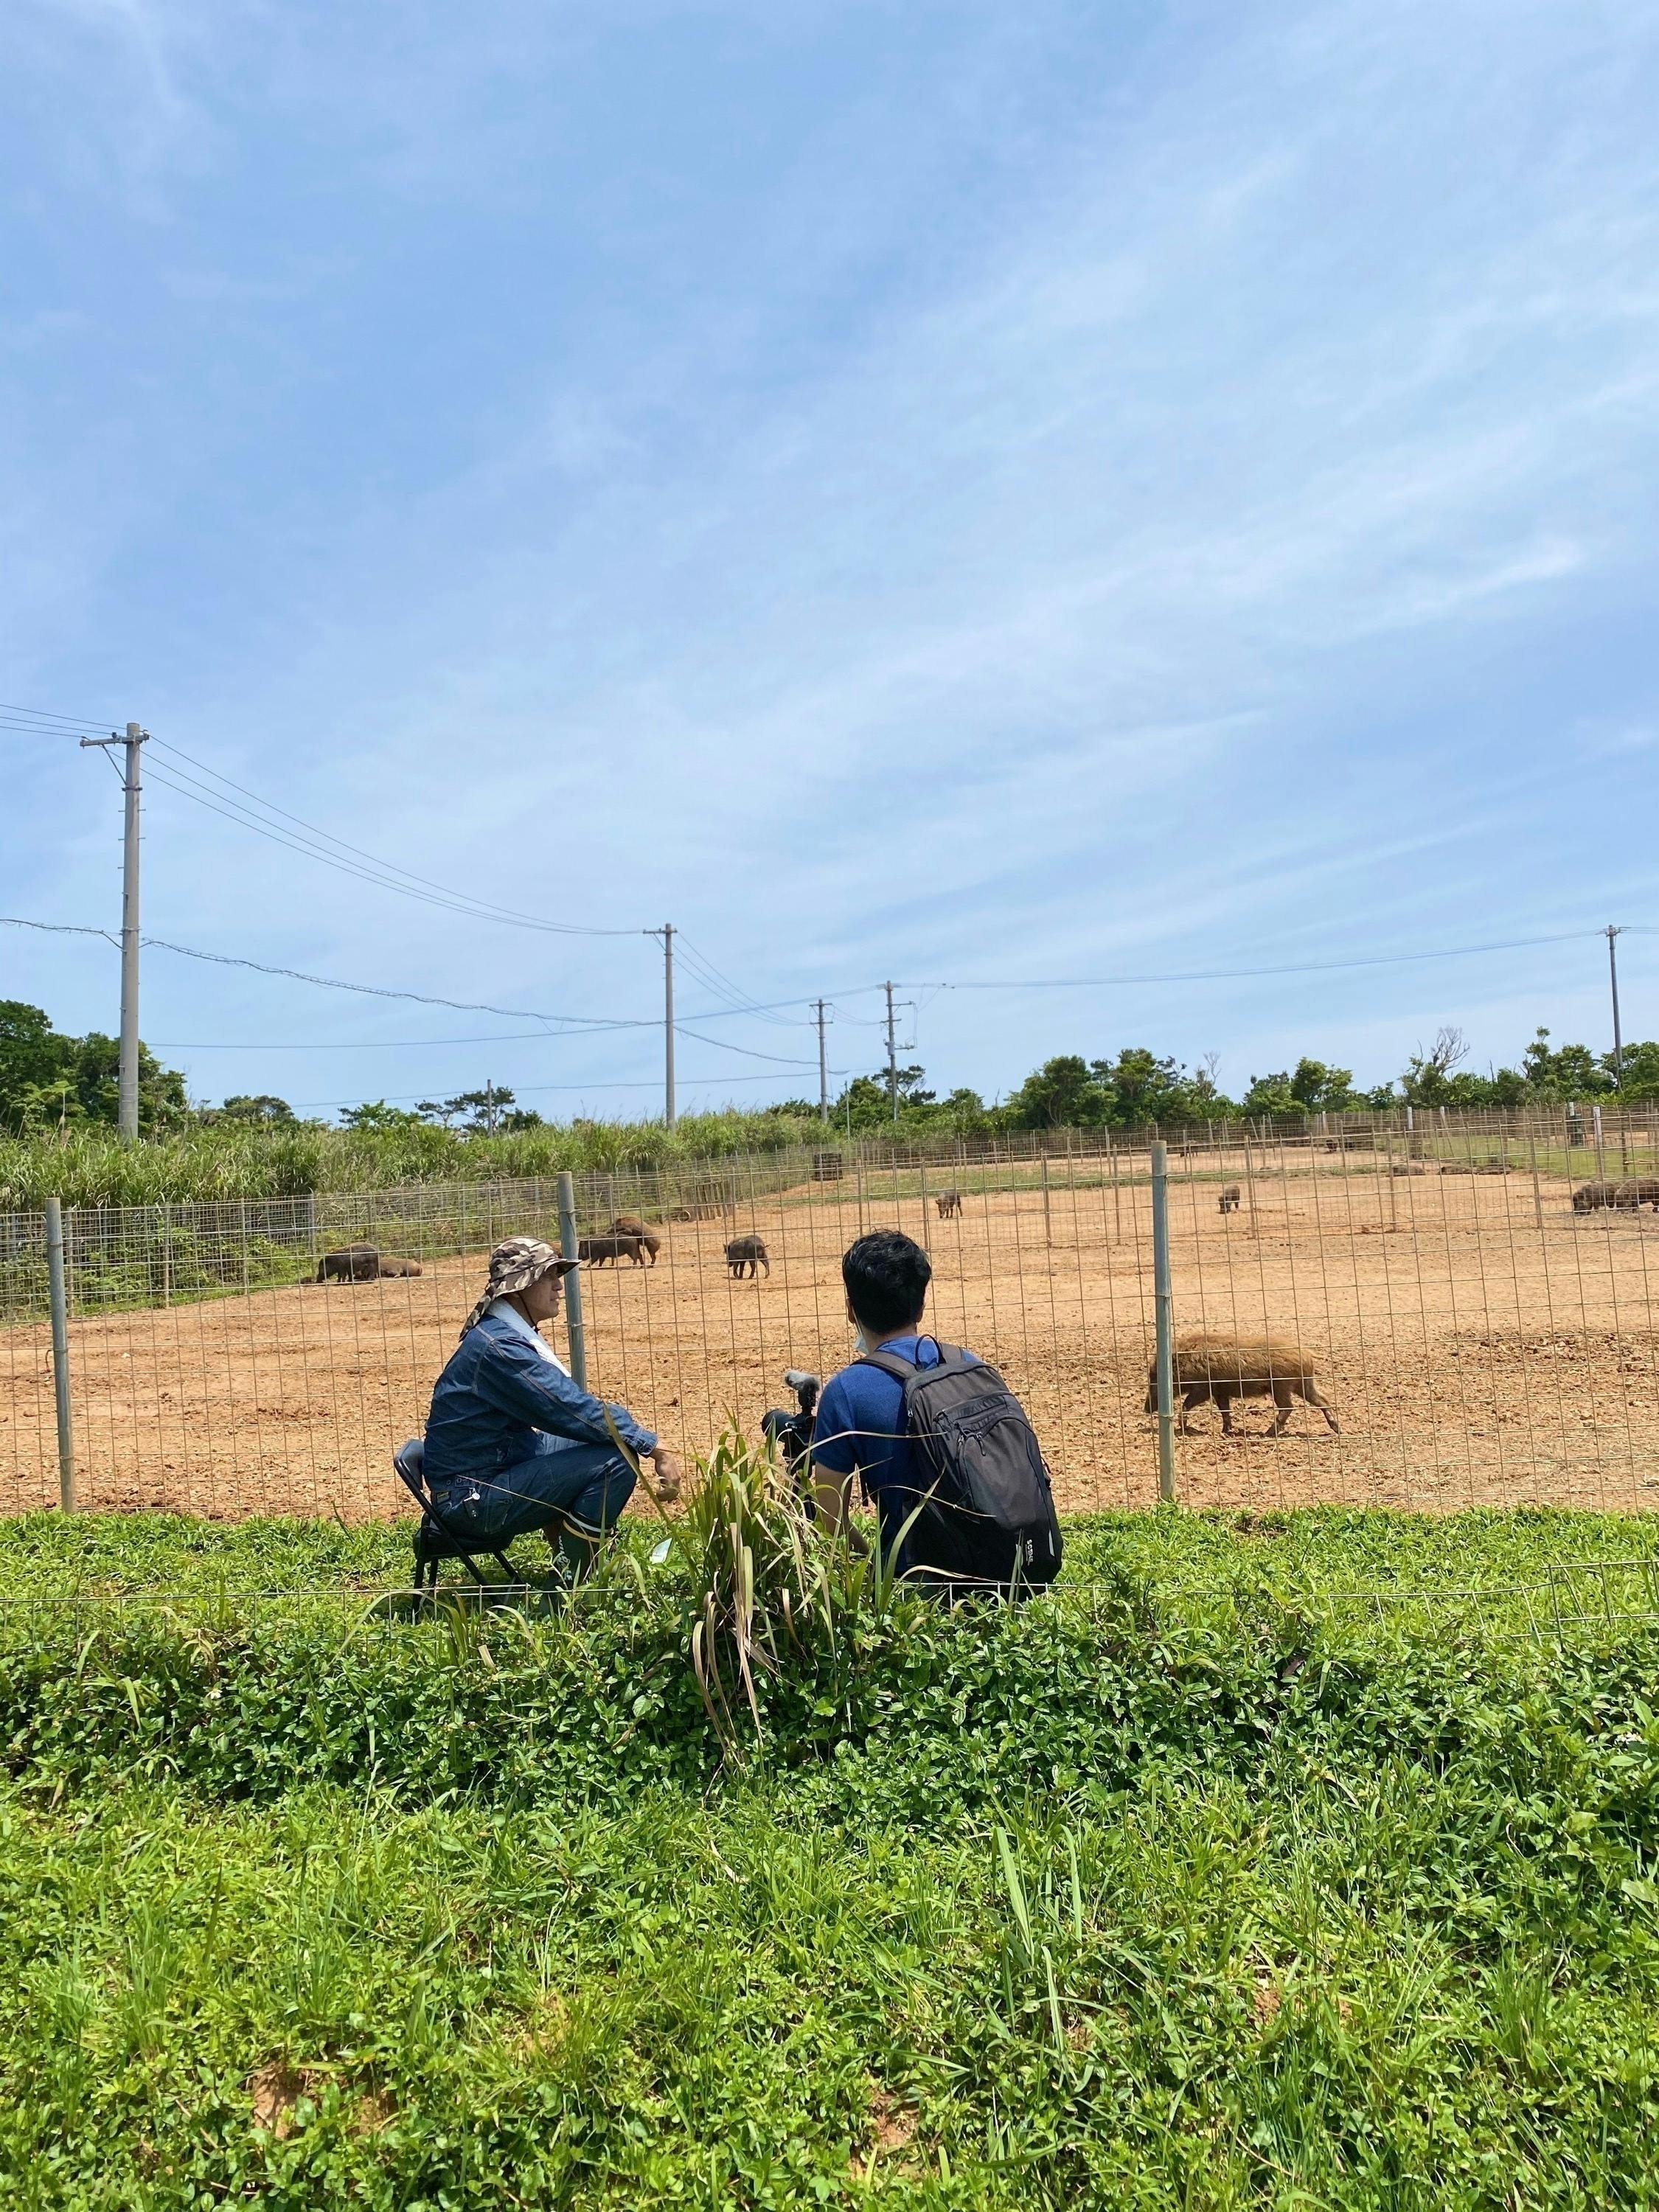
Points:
[(1311, 1393)]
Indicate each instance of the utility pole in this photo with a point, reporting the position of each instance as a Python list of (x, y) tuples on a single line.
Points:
[(823, 1071), (127, 1088), (668, 1113), (1612, 931), (892, 1055)]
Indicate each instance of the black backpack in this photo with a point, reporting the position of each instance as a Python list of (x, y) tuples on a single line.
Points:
[(984, 1511)]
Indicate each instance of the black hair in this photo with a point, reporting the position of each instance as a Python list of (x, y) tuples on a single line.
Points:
[(886, 1275)]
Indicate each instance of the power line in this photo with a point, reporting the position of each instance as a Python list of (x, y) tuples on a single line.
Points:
[(1033, 984), (44, 729), (262, 816), (724, 987), (421, 884), (387, 874), (382, 1044), (576, 1024), (57, 928), (1237, 975), (579, 1024), (512, 1036), (244, 820), (383, 874), (644, 1083), (49, 714), (749, 1054)]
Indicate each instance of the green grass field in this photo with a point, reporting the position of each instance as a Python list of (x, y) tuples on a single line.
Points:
[(1304, 1861)]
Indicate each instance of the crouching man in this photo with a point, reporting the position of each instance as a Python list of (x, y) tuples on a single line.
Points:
[(935, 1439), (513, 1443)]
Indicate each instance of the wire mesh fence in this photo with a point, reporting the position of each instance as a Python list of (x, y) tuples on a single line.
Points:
[(1475, 1300)]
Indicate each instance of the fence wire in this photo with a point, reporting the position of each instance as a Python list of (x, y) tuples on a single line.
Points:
[(1482, 1335)]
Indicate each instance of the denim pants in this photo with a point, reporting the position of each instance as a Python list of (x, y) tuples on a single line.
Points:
[(586, 1486)]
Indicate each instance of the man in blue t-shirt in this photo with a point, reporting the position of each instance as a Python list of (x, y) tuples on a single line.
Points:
[(860, 1428)]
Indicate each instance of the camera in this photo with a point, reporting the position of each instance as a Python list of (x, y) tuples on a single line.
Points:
[(791, 1433)]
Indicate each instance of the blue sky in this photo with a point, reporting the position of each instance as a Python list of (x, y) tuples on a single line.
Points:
[(944, 491)]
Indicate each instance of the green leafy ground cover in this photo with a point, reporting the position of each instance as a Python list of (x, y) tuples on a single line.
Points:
[(1217, 1883)]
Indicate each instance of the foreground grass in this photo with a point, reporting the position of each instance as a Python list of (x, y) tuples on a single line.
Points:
[(1181, 1996), (1213, 1886), (1595, 1562)]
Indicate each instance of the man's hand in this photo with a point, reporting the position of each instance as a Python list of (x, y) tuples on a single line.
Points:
[(665, 1475)]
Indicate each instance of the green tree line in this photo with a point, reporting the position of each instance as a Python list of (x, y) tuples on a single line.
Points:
[(1139, 1085), (58, 1111)]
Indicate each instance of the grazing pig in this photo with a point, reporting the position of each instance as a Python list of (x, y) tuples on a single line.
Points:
[(358, 1263), (1214, 1370), (598, 1251), (1589, 1195), (389, 1267), (1228, 1200), (625, 1225), (747, 1253), (1626, 1197), (948, 1202)]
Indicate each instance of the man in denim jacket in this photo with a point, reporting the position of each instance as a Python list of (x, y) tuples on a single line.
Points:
[(512, 1442)]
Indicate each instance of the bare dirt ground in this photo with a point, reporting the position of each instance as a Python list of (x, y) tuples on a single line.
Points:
[(1480, 1344)]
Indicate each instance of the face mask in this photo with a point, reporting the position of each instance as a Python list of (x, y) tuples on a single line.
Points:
[(860, 1341)]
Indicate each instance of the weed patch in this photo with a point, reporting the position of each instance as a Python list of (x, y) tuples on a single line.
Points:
[(1198, 1887)]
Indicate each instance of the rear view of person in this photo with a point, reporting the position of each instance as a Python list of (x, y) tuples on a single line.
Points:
[(935, 1438)]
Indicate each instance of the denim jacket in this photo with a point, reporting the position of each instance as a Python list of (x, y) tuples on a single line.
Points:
[(497, 1392)]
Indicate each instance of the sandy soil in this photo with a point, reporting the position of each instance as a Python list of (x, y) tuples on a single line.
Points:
[(1481, 1344)]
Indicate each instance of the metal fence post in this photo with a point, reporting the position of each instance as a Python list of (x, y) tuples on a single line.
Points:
[(60, 1374), (1164, 1305), (1048, 1222), (572, 1282), (1537, 1198)]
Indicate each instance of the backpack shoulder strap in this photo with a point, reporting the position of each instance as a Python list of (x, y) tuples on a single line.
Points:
[(911, 1370), (888, 1362)]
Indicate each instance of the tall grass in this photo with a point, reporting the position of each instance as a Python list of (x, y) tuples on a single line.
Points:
[(91, 1167), (769, 1589)]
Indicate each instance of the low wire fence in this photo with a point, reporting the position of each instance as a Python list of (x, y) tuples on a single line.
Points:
[(1473, 1301)]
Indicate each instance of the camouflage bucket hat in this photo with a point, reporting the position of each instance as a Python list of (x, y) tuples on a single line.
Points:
[(514, 1265)]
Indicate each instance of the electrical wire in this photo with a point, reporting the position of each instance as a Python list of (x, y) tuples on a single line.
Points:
[(749, 1054), (574, 1024), (578, 1024), (44, 729), (49, 714), (57, 928), (1036, 983), (369, 867), (482, 907), (385, 874), (723, 987), (632, 1083), (1237, 975)]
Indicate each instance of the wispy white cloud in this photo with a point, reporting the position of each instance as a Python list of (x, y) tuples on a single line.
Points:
[(1112, 507)]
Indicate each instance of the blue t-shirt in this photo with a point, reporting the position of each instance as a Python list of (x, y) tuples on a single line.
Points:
[(859, 1430)]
